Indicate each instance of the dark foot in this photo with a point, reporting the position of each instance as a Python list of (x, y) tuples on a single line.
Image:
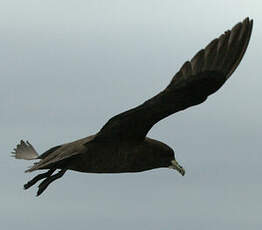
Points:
[(37, 178), (42, 187)]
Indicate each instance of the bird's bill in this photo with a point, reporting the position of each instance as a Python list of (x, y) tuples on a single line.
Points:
[(178, 167)]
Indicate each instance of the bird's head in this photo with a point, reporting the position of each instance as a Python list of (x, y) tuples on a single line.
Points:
[(165, 156), (171, 162)]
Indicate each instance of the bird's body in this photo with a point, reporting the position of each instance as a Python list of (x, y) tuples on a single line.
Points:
[(122, 144), (91, 156)]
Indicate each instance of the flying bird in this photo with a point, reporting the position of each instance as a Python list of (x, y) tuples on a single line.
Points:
[(122, 144)]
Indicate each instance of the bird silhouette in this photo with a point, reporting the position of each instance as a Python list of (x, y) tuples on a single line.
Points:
[(122, 145)]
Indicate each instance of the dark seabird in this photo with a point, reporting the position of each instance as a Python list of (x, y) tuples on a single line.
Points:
[(121, 145)]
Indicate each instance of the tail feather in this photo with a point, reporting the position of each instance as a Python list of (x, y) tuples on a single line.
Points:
[(25, 151)]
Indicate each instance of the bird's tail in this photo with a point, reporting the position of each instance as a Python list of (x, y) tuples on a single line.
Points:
[(25, 151)]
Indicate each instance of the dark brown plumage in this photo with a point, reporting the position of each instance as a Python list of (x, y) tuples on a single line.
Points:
[(121, 145)]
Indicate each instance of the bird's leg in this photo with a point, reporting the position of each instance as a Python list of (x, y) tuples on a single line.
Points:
[(42, 187), (38, 177)]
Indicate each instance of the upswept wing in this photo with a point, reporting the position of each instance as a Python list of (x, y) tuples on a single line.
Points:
[(194, 82)]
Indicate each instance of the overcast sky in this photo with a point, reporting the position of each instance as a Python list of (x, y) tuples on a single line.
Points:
[(68, 66)]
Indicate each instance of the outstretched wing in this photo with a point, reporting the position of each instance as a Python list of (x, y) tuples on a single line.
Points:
[(195, 81)]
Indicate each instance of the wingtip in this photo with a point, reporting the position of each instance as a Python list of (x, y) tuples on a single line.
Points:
[(248, 19), (244, 35), (249, 22)]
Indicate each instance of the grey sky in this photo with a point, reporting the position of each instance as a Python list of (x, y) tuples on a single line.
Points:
[(68, 66)]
